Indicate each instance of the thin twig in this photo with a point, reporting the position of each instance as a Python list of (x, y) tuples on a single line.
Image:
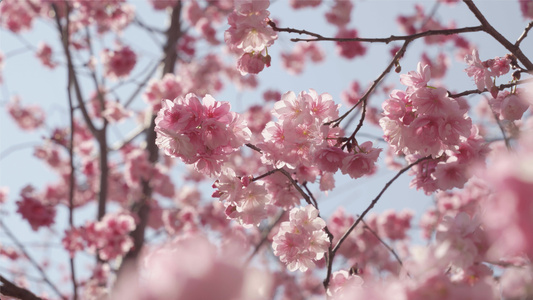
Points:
[(352, 227), (141, 85), (524, 34), (142, 207), (265, 174), (384, 244), (296, 186), (71, 185), (497, 119), (30, 259), (390, 38), (315, 204), (72, 73), (264, 237), (501, 87), (17, 147), (393, 62)]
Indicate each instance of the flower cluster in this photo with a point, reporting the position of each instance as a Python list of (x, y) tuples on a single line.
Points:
[(507, 215), (201, 133), (245, 200), (299, 139), (118, 63), (36, 211), (294, 61), (484, 72), (509, 106), (250, 34), (44, 54), (191, 267), (17, 15), (109, 236), (27, 118), (425, 121), (361, 246), (302, 240)]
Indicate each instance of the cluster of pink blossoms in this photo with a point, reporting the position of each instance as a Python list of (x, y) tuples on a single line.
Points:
[(484, 72), (425, 121), (44, 54), (109, 236), (201, 133), (38, 212), (27, 118), (294, 61), (300, 141), (245, 200), (361, 247), (18, 15), (509, 106), (507, 215), (191, 267), (302, 240), (118, 63), (250, 34)]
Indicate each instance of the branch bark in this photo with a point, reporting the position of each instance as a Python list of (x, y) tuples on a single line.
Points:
[(142, 206)]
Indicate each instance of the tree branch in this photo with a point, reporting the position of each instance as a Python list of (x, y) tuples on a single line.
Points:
[(501, 87), (524, 34), (11, 290), (497, 36), (381, 40), (142, 207), (31, 260), (372, 204)]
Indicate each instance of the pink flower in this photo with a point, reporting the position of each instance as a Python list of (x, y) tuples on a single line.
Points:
[(499, 66), (329, 159), (27, 118), (44, 53), (507, 215), (249, 31), (4, 190), (394, 225), (339, 14), (517, 282), (438, 66), (417, 79), (479, 71), (200, 133), (118, 63), (115, 112), (362, 162), (200, 265), (36, 211), (17, 15), (253, 64), (349, 49), (342, 282), (301, 240), (297, 4), (513, 107), (527, 8), (110, 236), (272, 95)]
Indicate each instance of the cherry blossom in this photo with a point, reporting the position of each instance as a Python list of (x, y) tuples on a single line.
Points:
[(30, 117), (118, 63), (36, 211), (301, 240), (200, 133), (44, 53)]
